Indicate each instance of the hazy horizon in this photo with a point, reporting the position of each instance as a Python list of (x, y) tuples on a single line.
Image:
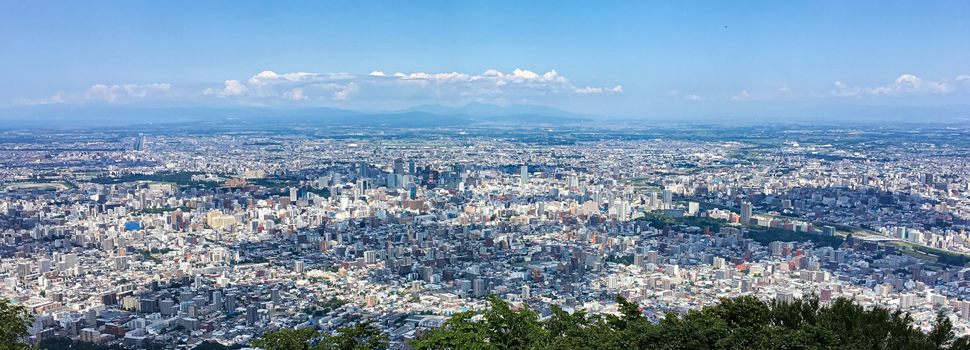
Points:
[(618, 60)]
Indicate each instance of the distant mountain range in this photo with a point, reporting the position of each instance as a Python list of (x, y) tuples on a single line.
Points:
[(61, 115), (489, 110), (425, 116)]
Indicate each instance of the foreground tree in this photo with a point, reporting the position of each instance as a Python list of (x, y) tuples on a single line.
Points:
[(287, 339), (14, 320), (741, 323), (361, 336)]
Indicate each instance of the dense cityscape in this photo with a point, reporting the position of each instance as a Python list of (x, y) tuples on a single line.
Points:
[(484, 175), (154, 238)]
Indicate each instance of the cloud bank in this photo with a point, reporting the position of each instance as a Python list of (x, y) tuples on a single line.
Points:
[(906, 84), (385, 90), (429, 87), (322, 89)]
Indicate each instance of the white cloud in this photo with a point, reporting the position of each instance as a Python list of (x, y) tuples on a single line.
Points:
[(270, 77), (588, 90), (741, 96), (59, 97), (784, 89), (272, 88), (909, 83), (906, 84), (693, 97), (296, 94), (342, 94), (592, 90), (116, 93), (233, 88), (841, 90)]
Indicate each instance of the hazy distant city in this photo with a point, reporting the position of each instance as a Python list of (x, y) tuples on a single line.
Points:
[(491, 175), (157, 235)]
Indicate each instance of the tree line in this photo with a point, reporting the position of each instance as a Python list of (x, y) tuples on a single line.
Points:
[(744, 322), (740, 323)]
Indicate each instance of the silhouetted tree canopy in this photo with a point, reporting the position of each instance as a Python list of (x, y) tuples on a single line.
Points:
[(741, 323), (360, 336), (14, 320)]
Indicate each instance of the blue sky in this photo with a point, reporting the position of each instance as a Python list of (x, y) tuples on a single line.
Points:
[(614, 58)]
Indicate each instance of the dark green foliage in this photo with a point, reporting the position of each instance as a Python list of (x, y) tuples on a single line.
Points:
[(742, 323), (322, 192), (331, 304), (658, 221), (943, 256), (766, 235), (68, 344), (179, 178), (763, 235), (360, 336), (617, 259), (210, 345), (256, 260), (287, 339), (14, 320)]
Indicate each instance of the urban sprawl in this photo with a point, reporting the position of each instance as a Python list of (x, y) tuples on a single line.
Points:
[(182, 238)]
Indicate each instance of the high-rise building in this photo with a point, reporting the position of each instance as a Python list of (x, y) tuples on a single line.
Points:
[(746, 211), (693, 208), (252, 314), (415, 288), (274, 295), (828, 231), (965, 310), (44, 265), (23, 269), (526, 293), (785, 296), (362, 170), (217, 300), (479, 287), (298, 266), (901, 232), (178, 222), (230, 302), (907, 300), (775, 247), (166, 307), (668, 198), (524, 175)]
